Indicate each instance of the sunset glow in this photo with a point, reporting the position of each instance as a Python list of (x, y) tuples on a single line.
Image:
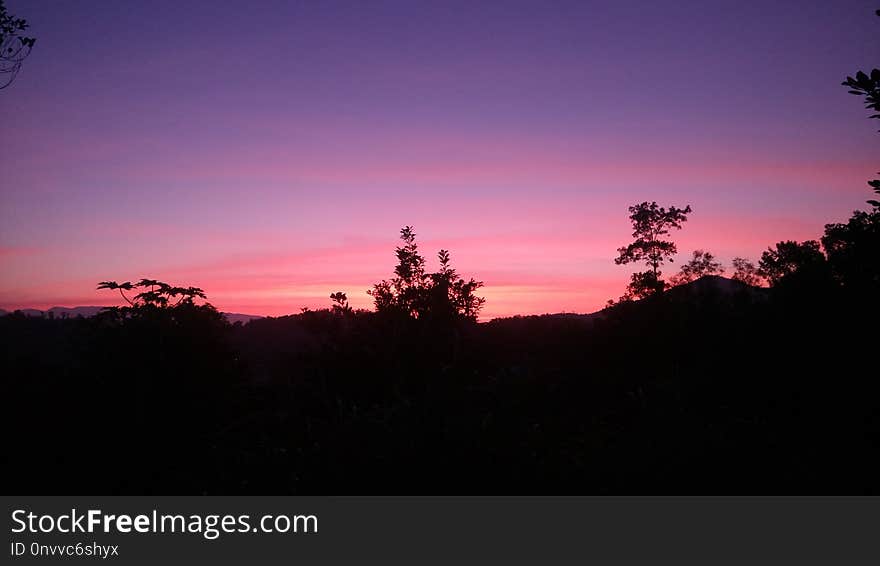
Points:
[(283, 169)]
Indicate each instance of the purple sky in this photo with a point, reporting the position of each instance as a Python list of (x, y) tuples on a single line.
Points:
[(269, 152)]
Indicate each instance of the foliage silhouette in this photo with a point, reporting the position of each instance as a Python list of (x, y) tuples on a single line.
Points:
[(745, 271), (340, 303), (154, 295), (440, 296), (643, 284), (789, 260), (14, 47), (650, 223), (853, 252), (867, 85), (701, 264)]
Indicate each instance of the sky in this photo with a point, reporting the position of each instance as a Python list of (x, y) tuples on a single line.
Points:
[(270, 152)]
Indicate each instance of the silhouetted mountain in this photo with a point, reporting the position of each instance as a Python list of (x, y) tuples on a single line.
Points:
[(75, 311), (87, 312), (708, 285), (717, 285), (58, 311), (579, 317), (234, 317)]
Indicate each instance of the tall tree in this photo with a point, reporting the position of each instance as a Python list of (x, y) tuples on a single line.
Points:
[(405, 290), (650, 224)]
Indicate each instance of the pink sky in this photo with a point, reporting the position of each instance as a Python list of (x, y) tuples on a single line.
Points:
[(517, 138)]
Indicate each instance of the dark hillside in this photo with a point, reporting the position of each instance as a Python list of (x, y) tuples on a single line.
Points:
[(711, 387)]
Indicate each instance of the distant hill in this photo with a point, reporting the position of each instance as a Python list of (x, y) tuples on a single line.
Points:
[(73, 312), (570, 316), (718, 285), (702, 288), (234, 317), (70, 312)]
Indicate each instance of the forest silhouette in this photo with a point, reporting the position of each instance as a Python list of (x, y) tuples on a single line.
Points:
[(762, 382)]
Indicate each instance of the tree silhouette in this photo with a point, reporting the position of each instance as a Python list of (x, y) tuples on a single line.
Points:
[(404, 292), (454, 293), (702, 263), (442, 287), (642, 285), (417, 294), (650, 223), (121, 287), (14, 47), (853, 251), (154, 295), (867, 85), (791, 258), (746, 272), (340, 303)]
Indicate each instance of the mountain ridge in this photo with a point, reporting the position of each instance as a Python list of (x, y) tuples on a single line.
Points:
[(90, 311)]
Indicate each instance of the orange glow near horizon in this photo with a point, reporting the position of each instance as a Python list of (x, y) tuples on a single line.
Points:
[(523, 275)]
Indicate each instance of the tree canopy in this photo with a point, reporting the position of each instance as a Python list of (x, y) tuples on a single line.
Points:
[(702, 263), (650, 223), (418, 294), (745, 271), (790, 258)]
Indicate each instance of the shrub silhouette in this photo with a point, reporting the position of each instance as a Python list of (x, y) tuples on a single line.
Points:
[(413, 292), (340, 303)]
